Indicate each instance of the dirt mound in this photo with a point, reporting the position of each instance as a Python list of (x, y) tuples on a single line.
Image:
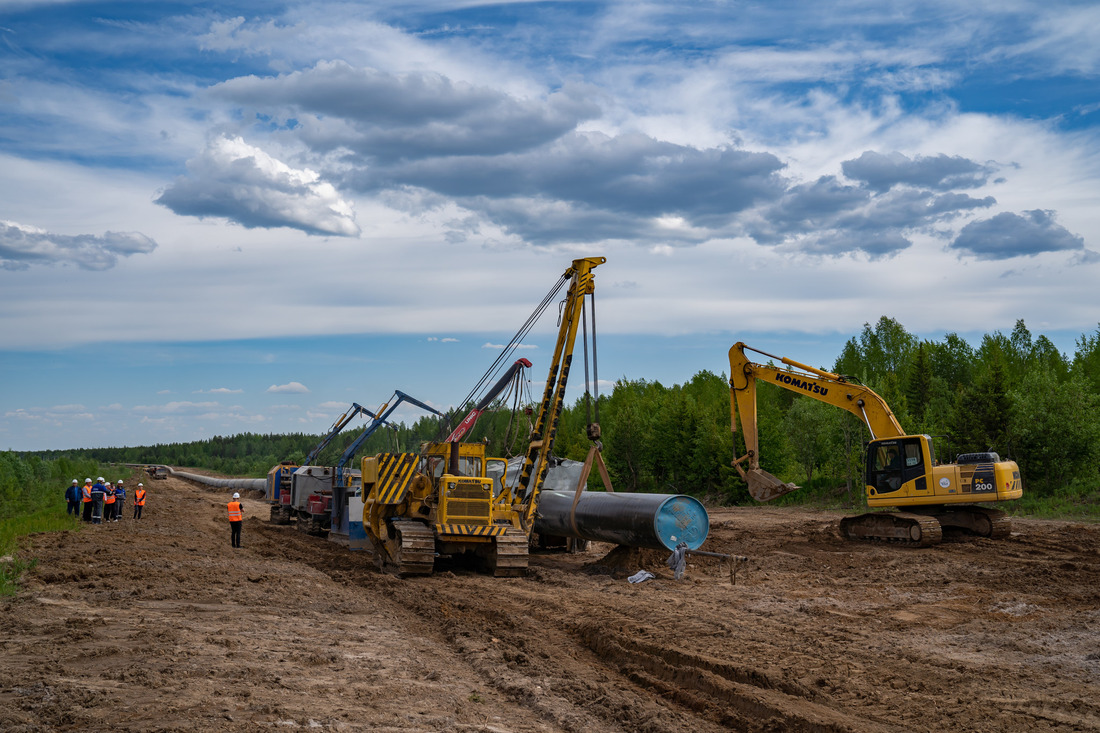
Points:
[(621, 560)]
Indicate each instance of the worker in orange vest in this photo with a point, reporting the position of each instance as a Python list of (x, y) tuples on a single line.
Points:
[(86, 500), (139, 501), (236, 519), (109, 503)]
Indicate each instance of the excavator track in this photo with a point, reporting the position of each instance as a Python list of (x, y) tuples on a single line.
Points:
[(508, 558), (978, 520), (411, 551), (902, 528)]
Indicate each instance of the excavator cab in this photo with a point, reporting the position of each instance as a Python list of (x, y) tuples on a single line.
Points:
[(897, 463)]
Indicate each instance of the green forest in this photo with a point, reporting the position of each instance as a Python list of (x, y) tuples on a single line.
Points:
[(1013, 393)]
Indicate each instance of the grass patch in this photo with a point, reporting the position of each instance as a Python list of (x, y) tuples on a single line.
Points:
[(1073, 502), (1069, 503), (32, 500), (12, 528)]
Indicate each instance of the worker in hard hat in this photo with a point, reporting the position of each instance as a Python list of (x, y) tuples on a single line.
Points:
[(72, 497), (120, 499), (236, 519), (139, 500), (98, 492), (86, 500), (108, 502)]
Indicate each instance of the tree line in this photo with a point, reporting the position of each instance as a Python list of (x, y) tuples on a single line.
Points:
[(1012, 393)]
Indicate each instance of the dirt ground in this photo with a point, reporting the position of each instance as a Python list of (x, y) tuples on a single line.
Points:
[(161, 625)]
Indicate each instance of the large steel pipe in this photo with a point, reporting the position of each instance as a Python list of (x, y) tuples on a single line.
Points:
[(656, 521), (240, 484)]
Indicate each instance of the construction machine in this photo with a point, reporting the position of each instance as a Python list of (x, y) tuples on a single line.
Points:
[(902, 471), (280, 477), (318, 494), (450, 499)]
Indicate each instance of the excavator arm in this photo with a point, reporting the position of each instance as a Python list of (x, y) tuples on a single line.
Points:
[(802, 379)]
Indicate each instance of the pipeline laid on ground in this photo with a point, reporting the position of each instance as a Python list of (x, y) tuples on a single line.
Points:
[(246, 484), (655, 521)]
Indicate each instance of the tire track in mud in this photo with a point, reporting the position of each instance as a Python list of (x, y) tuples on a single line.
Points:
[(521, 637), (821, 637)]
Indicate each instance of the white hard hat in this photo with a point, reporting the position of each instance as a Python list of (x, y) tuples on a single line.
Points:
[(236, 495), (99, 479), (75, 481), (141, 484), (87, 481), (119, 481)]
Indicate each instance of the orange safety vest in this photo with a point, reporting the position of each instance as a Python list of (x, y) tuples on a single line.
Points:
[(236, 511), (139, 497), (87, 492), (109, 497)]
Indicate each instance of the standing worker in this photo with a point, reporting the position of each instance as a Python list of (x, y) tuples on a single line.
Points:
[(236, 519), (97, 501), (86, 500), (108, 502), (72, 496), (139, 500), (120, 499)]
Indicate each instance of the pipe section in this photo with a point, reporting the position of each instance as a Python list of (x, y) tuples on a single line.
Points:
[(240, 484), (656, 521)]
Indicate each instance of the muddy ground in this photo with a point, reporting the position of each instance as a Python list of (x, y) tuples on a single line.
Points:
[(161, 625)]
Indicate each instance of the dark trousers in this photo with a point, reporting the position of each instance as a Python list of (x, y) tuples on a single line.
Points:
[(235, 533), (137, 510), (97, 507), (74, 508), (86, 515)]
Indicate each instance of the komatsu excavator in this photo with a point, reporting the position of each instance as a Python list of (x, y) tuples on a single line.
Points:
[(443, 502), (901, 470)]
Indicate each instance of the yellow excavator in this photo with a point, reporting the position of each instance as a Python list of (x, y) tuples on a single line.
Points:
[(902, 471), (446, 500)]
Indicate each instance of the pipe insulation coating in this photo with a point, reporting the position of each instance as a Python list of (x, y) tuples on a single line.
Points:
[(655, 521)]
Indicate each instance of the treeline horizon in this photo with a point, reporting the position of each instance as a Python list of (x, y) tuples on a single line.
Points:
[(1014, 394)]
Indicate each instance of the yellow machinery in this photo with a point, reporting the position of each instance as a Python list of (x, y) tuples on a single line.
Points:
[(901, 470), (441, 501)]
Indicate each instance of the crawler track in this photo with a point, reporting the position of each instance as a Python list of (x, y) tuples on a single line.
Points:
[(899, 528)]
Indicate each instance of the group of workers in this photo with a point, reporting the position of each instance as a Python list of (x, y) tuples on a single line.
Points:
[(101, 502)]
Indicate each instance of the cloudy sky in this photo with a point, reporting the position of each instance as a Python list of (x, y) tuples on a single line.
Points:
[(243, 216)]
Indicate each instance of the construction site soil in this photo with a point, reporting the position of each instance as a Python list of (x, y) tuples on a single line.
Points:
[(160, 625)]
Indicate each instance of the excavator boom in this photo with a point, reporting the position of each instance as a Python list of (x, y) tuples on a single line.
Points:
[(803, 379)]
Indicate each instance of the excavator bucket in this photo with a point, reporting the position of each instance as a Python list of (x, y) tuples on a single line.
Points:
[(765, 487)]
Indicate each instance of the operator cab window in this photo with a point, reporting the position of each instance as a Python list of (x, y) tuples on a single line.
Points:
[(893, 464)]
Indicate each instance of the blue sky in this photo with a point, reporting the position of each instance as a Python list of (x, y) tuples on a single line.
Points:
[(243, 216)]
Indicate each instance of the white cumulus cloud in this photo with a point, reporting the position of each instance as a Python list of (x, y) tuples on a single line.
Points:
[(22, 245), (289, 388), (240, 182)]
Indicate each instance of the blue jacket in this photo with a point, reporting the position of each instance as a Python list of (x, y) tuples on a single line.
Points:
[(98, 487), (120, 493), (72, 493)]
